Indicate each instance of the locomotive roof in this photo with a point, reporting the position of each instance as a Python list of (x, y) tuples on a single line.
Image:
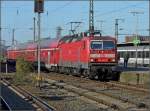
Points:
[(76, 37), (104, 37), (72, 38)]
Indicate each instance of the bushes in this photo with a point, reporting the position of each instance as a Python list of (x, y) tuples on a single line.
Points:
[(23, 69), (23, 66)]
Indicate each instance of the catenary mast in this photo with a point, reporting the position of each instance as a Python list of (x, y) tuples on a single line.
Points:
[(91, 18)]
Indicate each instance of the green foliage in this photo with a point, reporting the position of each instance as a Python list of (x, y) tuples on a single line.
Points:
[(23, 66), (2, 58), (23, 69)]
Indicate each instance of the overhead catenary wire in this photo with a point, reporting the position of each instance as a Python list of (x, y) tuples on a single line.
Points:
[(61, 7), (58, 9), (114, 11)]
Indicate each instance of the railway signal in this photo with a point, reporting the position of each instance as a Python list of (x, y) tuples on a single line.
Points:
[(39, 8)]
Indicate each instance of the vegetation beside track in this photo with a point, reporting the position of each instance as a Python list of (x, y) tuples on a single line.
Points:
[(23, 71)]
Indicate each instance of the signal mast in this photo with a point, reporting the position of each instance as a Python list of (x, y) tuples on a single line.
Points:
[(91, 18)]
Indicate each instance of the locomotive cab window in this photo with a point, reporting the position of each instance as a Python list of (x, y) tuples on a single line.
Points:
[(102, 45), (108, 45), (96, 45)]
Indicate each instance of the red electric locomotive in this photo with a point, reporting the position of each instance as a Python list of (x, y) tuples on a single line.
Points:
[(91, 56)]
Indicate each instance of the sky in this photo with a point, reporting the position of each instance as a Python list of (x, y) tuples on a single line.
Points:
[(19, 15)]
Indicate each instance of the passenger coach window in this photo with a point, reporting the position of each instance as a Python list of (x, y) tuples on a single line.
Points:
[(132, 54), (147, 54), (140, 54), (121, 54)]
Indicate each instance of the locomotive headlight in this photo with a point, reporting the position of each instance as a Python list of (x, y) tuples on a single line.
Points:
[(113, 60), (92, 60)]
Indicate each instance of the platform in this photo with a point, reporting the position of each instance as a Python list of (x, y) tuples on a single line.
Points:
[(13, 101)]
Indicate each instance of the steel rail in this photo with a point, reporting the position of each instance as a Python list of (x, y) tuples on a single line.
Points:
[(107, 84), (111, 83), (128, 86), (86, 92), (123, 85), (47, 106)]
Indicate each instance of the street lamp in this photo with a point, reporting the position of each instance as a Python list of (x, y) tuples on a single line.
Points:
[(136, 13)]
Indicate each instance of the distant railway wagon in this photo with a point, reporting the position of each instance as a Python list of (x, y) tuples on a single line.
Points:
[(142, 51), (29, 52), (92, 56)]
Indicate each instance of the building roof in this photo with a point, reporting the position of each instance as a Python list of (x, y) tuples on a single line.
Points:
[(131, 44)]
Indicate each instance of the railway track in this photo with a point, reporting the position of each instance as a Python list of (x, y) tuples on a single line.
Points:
[(36, 102), (133, 87), (113, 102), (100, 98), (107, 93), (107, 89)]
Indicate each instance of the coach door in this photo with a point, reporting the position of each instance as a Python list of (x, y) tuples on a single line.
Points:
[(48, 57)]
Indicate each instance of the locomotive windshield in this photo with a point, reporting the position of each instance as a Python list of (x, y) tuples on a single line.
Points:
[(102, 45), (96, 45), (108, 45)]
